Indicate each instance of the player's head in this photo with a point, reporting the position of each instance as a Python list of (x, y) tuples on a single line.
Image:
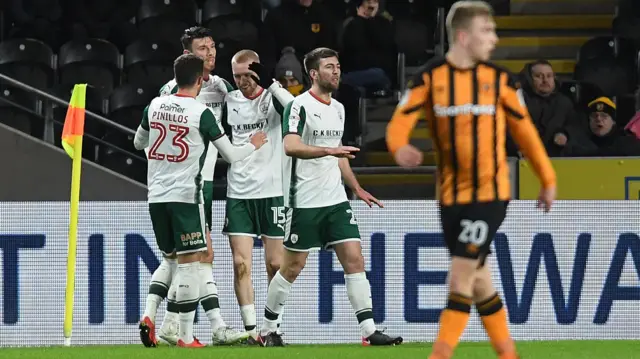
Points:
[(471, 27), (188, 70), (241, 74), (323, 67), (198, 40)]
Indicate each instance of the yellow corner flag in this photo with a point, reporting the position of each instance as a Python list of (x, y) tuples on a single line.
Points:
[(72, 142)]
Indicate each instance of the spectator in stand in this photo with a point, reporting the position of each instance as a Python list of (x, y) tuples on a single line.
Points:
[(551, 111), (289, 72), (369, 52), (602, 137), (301, 24), (109, 20), (38, 19)]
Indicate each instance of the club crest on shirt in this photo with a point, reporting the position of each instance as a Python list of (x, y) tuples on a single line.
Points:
[(264, 107)]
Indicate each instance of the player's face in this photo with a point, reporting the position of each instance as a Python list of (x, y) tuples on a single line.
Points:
[(242, 77), (328, 75), (205, 49), (481, 37)]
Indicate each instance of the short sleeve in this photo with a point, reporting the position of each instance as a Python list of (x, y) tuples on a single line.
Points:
[(209, 126), (294, 118), (145, 119)]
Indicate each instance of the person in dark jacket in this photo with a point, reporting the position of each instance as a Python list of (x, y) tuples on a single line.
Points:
[(603, 137), (368, 49), (301, 24), (551, 111)]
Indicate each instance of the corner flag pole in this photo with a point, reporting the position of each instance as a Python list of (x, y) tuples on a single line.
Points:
[(72, 133)]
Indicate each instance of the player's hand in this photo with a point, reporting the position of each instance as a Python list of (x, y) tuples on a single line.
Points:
[(546, 198), (262, 76), (258, 139), (408, 156), (367, 198), (343, 152)]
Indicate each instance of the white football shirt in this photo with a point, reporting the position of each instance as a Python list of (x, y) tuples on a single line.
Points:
[(260, 174), (180, 130), (313, 183), (212, 94)]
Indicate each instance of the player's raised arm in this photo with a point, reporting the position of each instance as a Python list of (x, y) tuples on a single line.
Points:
[(294, 118), (410, 109), (281, 97), (211, 131), (526, 136), (141, 139)]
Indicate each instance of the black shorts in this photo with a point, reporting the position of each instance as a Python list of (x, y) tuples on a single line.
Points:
[(469, 229)]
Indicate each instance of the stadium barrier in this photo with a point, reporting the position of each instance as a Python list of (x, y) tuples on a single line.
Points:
[(569, 274), (587, 179)]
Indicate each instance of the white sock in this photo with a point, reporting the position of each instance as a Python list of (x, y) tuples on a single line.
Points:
[(279, 321), (171, 315), (248, 314), (359, 292), (188, 295), (159, 286), (209, 297), (276, 297)]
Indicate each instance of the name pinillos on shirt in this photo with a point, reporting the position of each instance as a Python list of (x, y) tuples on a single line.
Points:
[(170, 113)]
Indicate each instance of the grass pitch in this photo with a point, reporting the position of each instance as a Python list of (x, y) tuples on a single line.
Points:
[(528, 350)]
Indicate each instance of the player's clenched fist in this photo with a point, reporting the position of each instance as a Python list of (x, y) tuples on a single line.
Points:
[(258, 139), (408, 156), (343, 151)]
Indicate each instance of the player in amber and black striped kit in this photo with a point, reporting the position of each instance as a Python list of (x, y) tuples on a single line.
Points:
[(469, 104)]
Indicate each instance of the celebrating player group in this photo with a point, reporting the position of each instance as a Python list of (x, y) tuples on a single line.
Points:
[(286, 174)]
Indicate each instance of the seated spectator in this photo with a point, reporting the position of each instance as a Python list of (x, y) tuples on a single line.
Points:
[(37, 19), (369, 51), (602, 137), (301, 24), (551, 111), (101, 19), (289, 72)]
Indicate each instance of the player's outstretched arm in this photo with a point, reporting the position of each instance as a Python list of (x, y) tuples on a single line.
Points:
[(141, 139), (294, 147), (526, 136), (231, 153), (352, 182)]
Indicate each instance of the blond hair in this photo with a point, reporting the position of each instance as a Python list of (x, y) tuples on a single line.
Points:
[(245, 56), (462, 13)]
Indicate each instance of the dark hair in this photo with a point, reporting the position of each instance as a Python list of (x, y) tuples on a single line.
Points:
[(192, 33), (312, 59), (186, 69)]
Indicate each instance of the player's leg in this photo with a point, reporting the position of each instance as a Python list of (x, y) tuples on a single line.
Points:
[(301, 236), (488, 303), (343, 236), (239, 226), (468, 231), (271, 220), (162, 276), (170, 329), (189, 225)]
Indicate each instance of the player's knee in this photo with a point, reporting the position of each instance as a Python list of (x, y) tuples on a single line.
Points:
[(353, 263), (273, 266), (292, 269), (241, 266)]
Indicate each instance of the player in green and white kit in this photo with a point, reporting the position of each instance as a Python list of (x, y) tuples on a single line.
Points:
[(318, 214), (178, 130), (254, 206)]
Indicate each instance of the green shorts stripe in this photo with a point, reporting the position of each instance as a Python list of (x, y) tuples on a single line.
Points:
[(260, 217)]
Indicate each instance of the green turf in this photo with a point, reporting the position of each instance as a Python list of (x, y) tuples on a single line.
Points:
[(541, 350)]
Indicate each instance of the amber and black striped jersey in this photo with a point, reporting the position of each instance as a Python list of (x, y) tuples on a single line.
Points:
[(468, 112)]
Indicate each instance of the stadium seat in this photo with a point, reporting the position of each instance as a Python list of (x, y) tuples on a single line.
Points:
[(20, 113), (127, 102), (341, 8), (148, 62), (131, 165), (95, 62), (95, 102), (580, 93), (232, 35), (414, 39), (27, 60), (214, 9), (613, 77), (605, 47), (181, 10), (164, 29)]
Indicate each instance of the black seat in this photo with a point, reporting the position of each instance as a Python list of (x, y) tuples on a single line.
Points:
[(214, 9), (127, 103), (597, 47), (148, 62), (94, 62), (415, 40), (164, 29), (95, 102), (20, 112), (181, 10), (131, 165), (613, 77), (27, 60), (237, 30)]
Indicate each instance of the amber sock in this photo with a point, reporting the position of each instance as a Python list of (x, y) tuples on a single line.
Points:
[(494, 319), (453, 321)]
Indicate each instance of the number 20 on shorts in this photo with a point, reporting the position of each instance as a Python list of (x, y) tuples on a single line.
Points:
[(178, 134)]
